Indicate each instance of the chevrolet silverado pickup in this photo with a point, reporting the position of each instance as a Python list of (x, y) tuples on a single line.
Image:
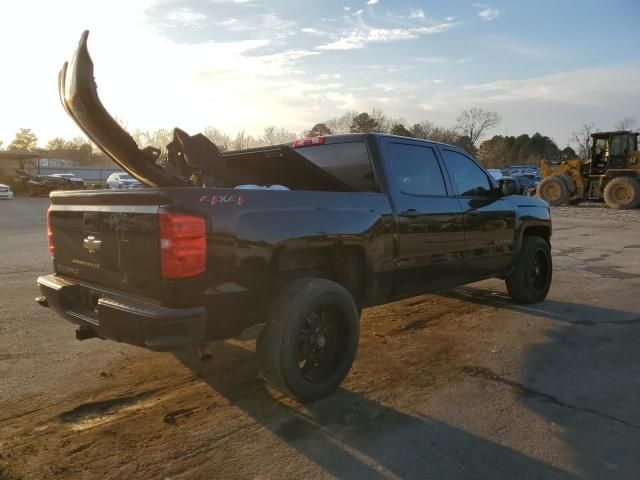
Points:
[(357, 220)]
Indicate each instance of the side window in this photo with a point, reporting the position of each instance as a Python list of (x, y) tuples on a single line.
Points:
[(417, 170), (468, 178)]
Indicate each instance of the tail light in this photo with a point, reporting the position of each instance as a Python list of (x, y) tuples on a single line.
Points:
[(308, 142), (52, 248), (183, 245)]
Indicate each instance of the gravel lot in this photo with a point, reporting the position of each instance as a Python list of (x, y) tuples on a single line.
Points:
[(464, 384)]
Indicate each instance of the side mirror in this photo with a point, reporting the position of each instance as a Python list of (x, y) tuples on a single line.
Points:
[(507, 186)]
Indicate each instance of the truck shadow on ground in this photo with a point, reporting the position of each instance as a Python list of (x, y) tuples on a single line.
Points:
[(351, 436), (583, 378)]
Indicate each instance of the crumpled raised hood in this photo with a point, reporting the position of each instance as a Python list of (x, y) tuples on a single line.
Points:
[(192, 160), (79, 96)]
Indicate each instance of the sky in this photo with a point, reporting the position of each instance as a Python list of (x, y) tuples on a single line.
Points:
[(546, 66)]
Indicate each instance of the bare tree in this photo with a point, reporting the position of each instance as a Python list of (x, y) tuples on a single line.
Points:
[(423, 129), (627, 123), (581, 138), (341, 124), (221, 139), (275, 136), (475, 122)]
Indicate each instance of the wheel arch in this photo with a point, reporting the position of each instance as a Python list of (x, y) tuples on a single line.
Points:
[(343, 264)]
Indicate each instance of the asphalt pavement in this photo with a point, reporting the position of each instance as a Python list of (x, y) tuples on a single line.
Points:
[(463, 384)]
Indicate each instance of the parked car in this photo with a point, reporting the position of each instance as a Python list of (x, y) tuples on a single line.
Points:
[(368, 219), (45, 184), (5, 191), (528, 184), (496, 173), (77, 182), (121, 180)]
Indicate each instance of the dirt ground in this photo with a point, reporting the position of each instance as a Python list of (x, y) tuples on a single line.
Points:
[(460, 385)]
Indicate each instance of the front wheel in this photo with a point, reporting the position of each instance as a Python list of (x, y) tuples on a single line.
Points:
[(531, 279), (310, 340), (554, 190), (622, 193)]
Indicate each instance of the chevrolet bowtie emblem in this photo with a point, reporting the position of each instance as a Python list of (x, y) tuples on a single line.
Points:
[(91, 244)]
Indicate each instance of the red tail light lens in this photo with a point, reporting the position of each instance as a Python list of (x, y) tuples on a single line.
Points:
[(183, 245), (308, 142), (52, 248)]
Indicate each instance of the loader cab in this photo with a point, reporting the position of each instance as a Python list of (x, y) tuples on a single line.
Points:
[(612, 150)]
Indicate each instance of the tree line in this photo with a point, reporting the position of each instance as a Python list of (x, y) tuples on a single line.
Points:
[(471, 127)]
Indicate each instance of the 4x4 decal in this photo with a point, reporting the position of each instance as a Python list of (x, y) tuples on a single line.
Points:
[(238, 200)]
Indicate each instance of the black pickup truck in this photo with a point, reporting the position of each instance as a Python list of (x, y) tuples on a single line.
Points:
[(365, 219)]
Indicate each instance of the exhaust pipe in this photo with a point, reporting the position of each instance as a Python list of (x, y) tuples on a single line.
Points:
[(205, 352)]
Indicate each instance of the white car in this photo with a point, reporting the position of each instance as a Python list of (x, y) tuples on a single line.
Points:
[(122, 180), (5, 191)]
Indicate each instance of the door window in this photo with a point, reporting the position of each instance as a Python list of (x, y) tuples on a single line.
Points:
[(417, 170), (468, 178), (619, 145)]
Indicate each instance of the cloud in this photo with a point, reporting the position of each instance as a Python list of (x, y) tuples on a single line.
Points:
[(361, 37), (269, 22), (416, 14), (553, 104), (433, 59), (186, 17), (328, 76), (357, 12), (372, 2), (313, 31), (488, 14)]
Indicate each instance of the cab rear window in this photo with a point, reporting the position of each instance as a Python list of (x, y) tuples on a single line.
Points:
[(347, 161)]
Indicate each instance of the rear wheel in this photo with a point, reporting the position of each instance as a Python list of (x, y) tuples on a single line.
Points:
[(310, 339), (554, 190), (531, 279), (622, 193)]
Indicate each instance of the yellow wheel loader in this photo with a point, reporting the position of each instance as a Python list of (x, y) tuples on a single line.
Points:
[(612, 173)]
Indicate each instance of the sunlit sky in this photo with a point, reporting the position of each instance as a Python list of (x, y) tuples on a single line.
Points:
[(544, 65)]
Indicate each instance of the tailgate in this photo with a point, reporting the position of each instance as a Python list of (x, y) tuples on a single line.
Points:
[(109, 239)]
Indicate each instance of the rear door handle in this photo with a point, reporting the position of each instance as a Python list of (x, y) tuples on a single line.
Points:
[(410, 213)]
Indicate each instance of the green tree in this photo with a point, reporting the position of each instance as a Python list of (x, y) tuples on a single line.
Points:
[(465, 143), (568, 153), (57, 143), (364, 123), (319, 129), (25, 140), (400, 129), (423, 129)]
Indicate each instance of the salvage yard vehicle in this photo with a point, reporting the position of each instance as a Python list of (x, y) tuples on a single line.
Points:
[(612, 174), (119, 180), (77, 181), (5, 191), (367, 219), (45, 184)]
